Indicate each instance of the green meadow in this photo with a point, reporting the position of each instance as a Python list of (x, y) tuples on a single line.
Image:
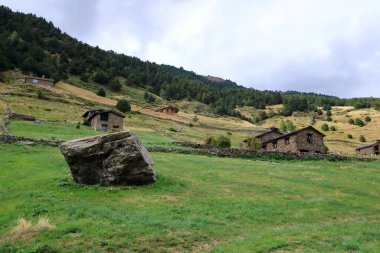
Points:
[(198, 204)]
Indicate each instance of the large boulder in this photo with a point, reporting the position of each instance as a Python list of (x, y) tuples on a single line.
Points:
[(113, 159)]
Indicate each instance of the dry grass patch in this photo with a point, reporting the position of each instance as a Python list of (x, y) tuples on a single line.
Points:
[(25, 229), (65, 88)]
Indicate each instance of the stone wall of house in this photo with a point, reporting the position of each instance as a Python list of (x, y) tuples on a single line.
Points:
[(317, 145), (114, 123), (282, 146), (269, 136), (366, 151), (43, 82)]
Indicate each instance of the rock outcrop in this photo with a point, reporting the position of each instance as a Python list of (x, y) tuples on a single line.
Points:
[(113, 159)]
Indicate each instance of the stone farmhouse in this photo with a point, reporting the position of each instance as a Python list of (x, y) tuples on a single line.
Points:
[(168, 110), (39, 81), (371, 149), (307, 139), (102, 120)]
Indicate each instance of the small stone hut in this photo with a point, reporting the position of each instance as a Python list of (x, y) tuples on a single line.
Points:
[(307, 139), (102, 120), (371, 149), (39, 81), (168, 110)]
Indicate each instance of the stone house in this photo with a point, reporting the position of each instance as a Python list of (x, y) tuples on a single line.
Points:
[(307, 139), (39, 81), (168, 110), (371, 149), (102, 120)]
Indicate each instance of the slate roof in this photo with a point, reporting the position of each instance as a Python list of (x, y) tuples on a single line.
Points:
[(92, 113), (368, 145), (293, 133)]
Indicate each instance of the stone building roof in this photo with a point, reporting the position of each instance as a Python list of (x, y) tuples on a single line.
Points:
[(92, 113), (293, 133), (369, 145)]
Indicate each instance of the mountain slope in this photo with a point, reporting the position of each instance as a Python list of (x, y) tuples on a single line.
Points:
[(37, 47)]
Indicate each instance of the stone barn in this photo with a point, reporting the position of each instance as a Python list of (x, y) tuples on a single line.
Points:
[(307, 139), (371, 149), (168, 110), (39, 81), (102, 120)]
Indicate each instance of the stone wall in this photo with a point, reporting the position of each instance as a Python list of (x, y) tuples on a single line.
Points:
[(317, 144), (282, 146), (250, 153), (9, 139)]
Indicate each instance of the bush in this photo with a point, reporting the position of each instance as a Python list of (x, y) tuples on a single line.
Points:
[(349, 136), (191, 124), (325, 127), (123, 105), (40, 95), (329, 119), (362, 138), (101, 92), (101, 77), (253, 143), (195, 119), (85, 77), (115, 85), (368, 119), (208, 140), (78, 125), (326, 107), (359, 122), (333, 128), (287, 126), (172, 130), (351, 121), (328, 113), (221, 142)]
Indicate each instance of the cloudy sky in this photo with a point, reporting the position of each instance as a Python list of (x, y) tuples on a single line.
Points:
[(323, 46)]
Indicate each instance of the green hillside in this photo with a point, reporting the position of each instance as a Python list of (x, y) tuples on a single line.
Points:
[(35, 46)]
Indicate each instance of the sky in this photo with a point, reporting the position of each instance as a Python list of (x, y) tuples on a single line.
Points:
[(323, 46)]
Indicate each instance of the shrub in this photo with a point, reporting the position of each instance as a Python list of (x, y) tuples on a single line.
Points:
[(287, 126), (78, 125), (172, 130), (362, 138), (101, 92), (351, 121), (208, 140), (349, 136), (253, 143), (115, 85), (328, 113), (368, 119), (40, 95), (326, 107), (333, 128), (195, 119), (123, 105), (229, 133), (85, 77), (191, 124), (359, 122), (325, 127), (221, 142), (329, 119)]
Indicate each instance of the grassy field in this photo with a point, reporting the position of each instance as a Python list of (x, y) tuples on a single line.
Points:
[(198, 204)]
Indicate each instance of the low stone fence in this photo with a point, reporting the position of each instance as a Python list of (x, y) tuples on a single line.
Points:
[(189, 144), (9, 139), (249, 153)]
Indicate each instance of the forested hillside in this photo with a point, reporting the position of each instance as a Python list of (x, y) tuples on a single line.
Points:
[(35, 46)]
